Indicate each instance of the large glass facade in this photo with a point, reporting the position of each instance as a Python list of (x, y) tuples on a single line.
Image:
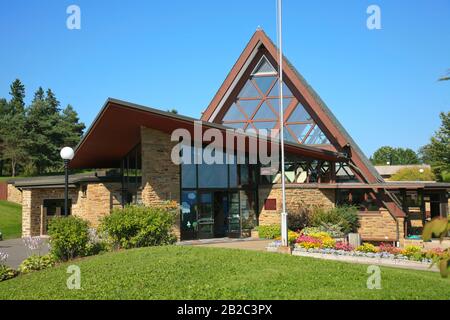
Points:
[(257, 107), (217, 200)]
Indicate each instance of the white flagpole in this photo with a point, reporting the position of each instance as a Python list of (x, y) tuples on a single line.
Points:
[(284, 231)]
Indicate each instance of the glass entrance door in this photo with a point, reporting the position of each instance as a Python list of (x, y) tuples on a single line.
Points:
[(205, 219), (234, 216)]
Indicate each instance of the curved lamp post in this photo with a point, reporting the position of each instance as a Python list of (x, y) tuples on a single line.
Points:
[(67, 155)]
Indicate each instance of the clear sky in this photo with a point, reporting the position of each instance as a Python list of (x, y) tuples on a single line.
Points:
[(381, 84)]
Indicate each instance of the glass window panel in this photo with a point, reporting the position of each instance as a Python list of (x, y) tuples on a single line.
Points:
[(236, 125), (233, 175), (264, 67), (299, 114), (300, 130), (189, 176), (249, 106), (316, 137), (249, 91), (275, 103), (213, 175), (189, 212), (234, 114), (264, 112), (275, 92), (264, 83), (264, 125), (288, 136)]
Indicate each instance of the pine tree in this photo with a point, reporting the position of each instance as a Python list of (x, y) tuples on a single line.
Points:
[(71, 127), (17, 93), (52, 102)]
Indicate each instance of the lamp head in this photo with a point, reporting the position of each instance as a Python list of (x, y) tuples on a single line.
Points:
[(67, 153)]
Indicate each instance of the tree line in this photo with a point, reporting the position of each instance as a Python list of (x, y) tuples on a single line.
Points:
[(436, 152), (32, 136)]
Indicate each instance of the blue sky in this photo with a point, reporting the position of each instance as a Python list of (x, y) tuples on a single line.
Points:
[(381, 84)]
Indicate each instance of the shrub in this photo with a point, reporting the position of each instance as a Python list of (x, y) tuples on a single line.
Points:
[(69, 237), (367, 247), (292, 236), (7, 273), (36, 263), (272, 231), (138, 226), (345, 217), (299, 219)]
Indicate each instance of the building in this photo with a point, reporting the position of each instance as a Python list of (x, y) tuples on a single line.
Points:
[(324, 165)]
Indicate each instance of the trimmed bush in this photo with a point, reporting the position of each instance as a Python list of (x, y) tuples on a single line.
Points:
[(7, 273), (299, 219), (36, 263), (367, 248), (138, 226), (346, 217), (272, 231), (69, 237)]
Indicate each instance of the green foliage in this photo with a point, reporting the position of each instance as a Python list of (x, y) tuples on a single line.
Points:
[(31, 137), (346, 217), (367, 247), (69, 237), (411, 251), (299, 219), (440, 228), (138, 226), (437, 152), (394, 156), (413, 174), (7, 273), (272, 231), (36, 263)]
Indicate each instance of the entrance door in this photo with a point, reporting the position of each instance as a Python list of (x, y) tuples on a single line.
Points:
[(205, 219)]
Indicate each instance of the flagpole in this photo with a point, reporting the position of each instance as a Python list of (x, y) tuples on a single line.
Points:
[(284, 231)]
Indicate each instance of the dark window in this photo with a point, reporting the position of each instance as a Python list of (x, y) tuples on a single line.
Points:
[(52, 206)]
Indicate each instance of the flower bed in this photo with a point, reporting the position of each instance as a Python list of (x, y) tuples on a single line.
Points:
[(322, 243)]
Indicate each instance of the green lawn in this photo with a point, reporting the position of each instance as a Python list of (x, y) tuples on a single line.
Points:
[(10, 220), (178, 272)]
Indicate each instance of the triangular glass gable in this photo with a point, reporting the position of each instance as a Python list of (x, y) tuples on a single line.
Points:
[(257, 107), (264, 67)]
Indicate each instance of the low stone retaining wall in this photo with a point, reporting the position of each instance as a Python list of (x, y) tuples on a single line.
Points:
[(398, 263)]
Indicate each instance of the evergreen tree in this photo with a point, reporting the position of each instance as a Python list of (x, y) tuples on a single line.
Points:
[(42, 128), (437, 152), (17, 103), (39, 95), (71, 127), (394, 156)]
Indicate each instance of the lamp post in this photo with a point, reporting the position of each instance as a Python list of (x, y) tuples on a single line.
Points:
[(67, 155)]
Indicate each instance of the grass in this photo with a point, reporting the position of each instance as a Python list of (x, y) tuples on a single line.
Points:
[(10, 220), (181, 272)]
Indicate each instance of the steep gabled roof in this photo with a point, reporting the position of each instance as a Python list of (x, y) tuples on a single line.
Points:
[(335, 132)]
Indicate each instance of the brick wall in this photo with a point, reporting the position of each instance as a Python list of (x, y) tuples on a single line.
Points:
[(295, 199), (14, 194), (380, 226), (160, 176)]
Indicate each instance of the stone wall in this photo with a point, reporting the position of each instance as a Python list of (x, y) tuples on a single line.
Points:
[(160, 176), (14, 194), (90, 203), (295, 199), (380, 226)]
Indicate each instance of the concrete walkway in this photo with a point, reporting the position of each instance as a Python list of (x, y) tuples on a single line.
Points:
[(17, 251)]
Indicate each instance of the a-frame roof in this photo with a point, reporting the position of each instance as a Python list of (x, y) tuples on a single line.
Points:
[(335, 132)]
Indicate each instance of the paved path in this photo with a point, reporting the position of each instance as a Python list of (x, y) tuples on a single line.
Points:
[(17, 251)]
